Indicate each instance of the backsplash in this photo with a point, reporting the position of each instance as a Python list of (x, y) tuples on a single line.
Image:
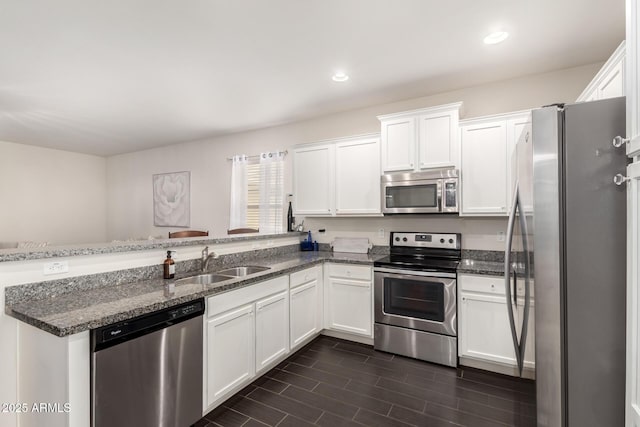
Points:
[(480, 255)]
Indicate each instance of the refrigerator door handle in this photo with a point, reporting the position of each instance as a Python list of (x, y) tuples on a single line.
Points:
[(527, 285), (515, 288), (507, 275)]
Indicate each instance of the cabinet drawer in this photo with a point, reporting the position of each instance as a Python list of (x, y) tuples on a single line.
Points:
[(489, 284), (223, 302), (484, 284), (305, 276), (350, 271)]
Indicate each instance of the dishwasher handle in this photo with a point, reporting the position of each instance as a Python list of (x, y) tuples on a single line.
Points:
[(117, 333)]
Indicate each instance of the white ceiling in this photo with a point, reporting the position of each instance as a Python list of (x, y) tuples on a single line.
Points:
[(108, 77)]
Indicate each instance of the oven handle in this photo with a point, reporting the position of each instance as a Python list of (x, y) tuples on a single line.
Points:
[(415, 273)]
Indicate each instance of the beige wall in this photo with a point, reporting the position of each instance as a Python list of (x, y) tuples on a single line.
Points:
[(51, 195), (130, 209)]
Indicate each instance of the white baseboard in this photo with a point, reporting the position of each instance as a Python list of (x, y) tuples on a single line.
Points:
[(498, 368), (347, 336)]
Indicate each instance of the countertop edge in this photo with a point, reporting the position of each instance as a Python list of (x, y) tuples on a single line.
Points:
[(13, 255), (233, 284)]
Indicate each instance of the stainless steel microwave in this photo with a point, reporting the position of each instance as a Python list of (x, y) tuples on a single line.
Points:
[(433, 191)]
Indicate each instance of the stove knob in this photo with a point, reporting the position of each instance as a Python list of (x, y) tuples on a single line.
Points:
[(397, 239), (404, 239), (441, 240), (451, 241)]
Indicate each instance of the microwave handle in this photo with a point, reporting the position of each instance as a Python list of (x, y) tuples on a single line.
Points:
[(444, 197), (439, 194)]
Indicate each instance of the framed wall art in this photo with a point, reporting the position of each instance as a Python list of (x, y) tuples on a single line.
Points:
[(172, 199)]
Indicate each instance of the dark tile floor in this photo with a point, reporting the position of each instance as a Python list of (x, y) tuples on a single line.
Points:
[(331, 382)]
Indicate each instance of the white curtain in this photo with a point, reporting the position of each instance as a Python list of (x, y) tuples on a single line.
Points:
[(271, 192), (239, 192)]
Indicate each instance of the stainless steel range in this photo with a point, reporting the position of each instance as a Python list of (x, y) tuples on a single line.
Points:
[(415, 297)]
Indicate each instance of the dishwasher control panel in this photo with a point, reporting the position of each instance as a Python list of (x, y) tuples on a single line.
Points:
[(107, 336)]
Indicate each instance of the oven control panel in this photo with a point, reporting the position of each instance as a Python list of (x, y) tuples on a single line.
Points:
[(426, 240)]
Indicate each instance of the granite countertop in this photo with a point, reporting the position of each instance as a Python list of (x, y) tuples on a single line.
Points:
[(474, 266), (487, 268), (80, 311), (8, 255)]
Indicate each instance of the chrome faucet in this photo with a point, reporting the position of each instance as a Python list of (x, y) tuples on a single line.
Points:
[(206, 257)]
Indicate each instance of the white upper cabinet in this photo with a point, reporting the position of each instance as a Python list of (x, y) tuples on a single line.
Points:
[(398, 144), (420, 139), (313, 184), (484, 168), (358, 176), (438, 139), (610, 80), (338, 177), (487, 145)]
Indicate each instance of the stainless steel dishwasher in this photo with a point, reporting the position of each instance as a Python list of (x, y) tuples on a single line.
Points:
[(147, 371)]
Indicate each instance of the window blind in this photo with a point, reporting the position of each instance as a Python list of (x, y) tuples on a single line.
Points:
[(265, 196)]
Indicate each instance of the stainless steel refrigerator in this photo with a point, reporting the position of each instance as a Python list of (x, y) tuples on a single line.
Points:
[(567, 244)]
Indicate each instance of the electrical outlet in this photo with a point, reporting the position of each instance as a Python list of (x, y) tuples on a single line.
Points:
[(381, 232), (58, 267), (500, 236)]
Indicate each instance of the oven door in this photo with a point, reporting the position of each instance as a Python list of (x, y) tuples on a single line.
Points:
[(419, 196), (416, 300)]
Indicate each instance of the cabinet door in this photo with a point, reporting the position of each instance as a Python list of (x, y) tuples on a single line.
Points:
[(398, 144), (350, 306), (515, 128), (484, 169), (313, 180), (530, 347), (612, 84), (484, 332), (303, 314), (358, 177), (438, 140), (230, 352), (272, 329)]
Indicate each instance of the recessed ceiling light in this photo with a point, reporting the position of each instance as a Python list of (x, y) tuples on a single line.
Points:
[(497, 37), (340, 77)]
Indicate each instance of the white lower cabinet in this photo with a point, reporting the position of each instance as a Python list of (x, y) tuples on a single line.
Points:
[(304, 305), (349, 303), (484, 333), (272, 329), (251, 329), (230, 352), (530, 347), (247, 332)]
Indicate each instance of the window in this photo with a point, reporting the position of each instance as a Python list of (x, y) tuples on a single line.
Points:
[(257, 193)]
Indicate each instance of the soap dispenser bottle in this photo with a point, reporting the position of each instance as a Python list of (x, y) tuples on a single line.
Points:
[(169, 267)]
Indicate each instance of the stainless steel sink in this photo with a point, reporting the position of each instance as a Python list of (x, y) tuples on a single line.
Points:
[(243, 271), (203, 279)]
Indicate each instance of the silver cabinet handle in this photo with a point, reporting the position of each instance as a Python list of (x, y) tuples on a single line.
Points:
[(619, 141), (620, 179)]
